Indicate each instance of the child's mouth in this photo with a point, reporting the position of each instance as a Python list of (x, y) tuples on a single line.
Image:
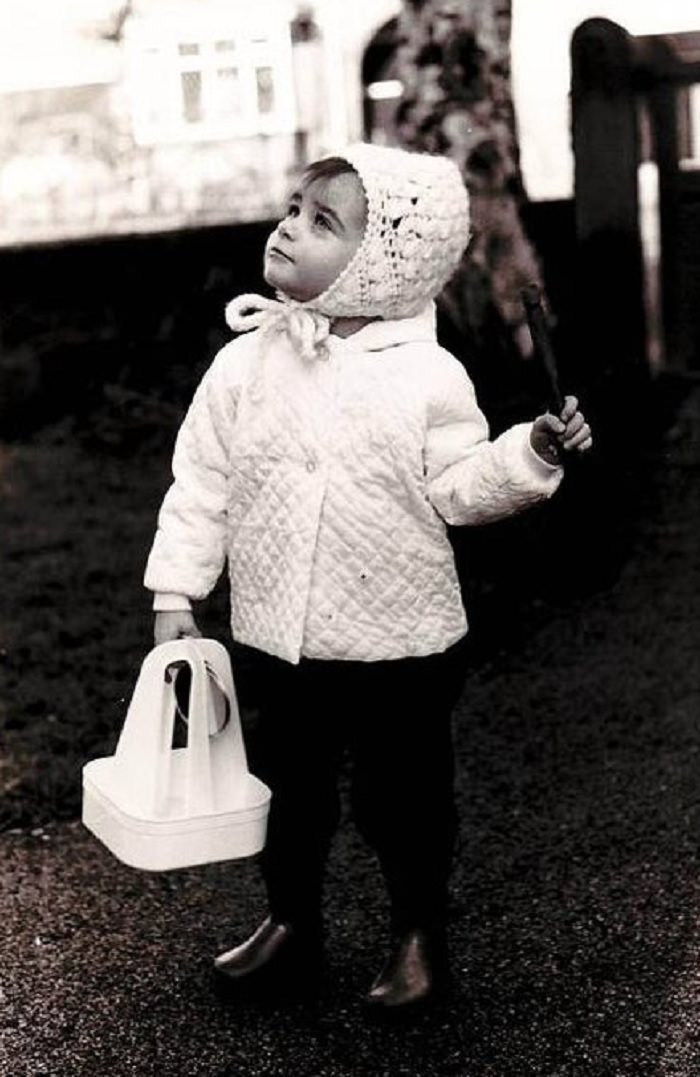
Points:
[(276, 252)]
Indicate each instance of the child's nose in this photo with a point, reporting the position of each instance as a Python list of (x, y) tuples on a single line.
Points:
[(288, 227)]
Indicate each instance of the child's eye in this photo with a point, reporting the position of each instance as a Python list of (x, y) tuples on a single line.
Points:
[(293, 210), (322, 221)]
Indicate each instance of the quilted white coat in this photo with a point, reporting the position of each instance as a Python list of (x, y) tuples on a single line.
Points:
[(327, 486)]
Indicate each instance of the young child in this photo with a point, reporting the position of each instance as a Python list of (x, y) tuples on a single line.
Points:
[(322, 457)]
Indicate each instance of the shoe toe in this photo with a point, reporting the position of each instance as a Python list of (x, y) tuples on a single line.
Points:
[(275, 960), (411, 978)]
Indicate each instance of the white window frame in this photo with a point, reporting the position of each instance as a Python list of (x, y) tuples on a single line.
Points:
[(155, 65)]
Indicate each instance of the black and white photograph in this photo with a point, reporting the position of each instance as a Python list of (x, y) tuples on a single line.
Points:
[(349, 503)]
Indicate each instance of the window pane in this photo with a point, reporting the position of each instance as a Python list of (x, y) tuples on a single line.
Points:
[(188, 49), (225, 46), (225, 97), (266, 90), (191, 83)]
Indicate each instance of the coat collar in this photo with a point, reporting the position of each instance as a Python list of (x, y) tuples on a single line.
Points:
[(376, 336)]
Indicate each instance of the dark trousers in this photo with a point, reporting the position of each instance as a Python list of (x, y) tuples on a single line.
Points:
[(394, 719)]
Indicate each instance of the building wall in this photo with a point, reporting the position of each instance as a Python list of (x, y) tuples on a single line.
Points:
[(200, 113)]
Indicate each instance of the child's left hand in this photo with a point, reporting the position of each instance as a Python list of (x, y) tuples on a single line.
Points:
[(551, 435)]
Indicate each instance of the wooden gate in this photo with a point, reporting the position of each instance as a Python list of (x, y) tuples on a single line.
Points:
[(633, 102)]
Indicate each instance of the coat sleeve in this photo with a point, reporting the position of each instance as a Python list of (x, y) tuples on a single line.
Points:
[(189, 548), (472, 480)]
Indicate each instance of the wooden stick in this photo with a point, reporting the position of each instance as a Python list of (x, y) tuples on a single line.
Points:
[(542, 343)]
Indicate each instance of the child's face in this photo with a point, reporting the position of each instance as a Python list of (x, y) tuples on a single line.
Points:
[(323, 228)]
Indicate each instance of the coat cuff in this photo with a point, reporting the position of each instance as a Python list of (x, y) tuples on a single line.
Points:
[(534, 459), (170, 603)]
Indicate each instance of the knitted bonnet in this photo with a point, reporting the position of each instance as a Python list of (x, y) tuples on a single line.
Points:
[(417, 229), (416, 232)]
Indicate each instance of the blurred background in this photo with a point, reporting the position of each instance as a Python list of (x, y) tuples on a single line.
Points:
[(104, 103), (147, 146), (138, 129)]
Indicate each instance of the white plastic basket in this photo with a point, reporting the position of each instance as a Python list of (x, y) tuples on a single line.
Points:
[(157, 807)]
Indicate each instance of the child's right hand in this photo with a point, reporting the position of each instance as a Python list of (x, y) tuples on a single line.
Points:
[(174, 624)]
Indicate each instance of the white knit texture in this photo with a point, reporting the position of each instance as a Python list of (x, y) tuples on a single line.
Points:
[(417, 230)]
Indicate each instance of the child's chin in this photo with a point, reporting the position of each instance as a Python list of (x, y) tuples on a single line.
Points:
[(274, 279), (283, 288)]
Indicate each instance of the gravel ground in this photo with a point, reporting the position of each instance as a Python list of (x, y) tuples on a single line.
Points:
[(574, 932)]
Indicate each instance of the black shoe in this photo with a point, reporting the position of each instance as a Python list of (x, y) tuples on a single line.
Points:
[(414, 975), (275, 959)]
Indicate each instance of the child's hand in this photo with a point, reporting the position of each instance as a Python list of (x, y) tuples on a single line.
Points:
[(550, 435), (174, 624)]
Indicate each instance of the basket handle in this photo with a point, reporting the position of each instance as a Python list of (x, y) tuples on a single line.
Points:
[(143, 755), (215, 669)]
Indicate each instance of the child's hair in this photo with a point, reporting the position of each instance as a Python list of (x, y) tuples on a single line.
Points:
[(327, 168)]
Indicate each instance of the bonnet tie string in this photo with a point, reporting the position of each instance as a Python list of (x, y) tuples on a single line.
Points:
[(308, 330)]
